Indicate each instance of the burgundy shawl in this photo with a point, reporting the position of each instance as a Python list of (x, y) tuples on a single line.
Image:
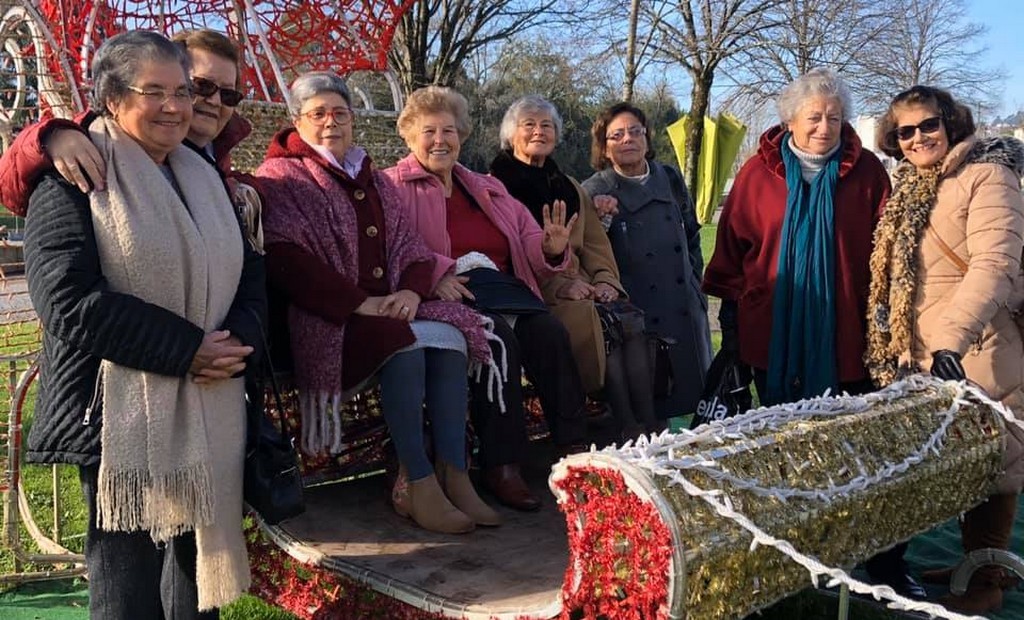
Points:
[(307, 206)]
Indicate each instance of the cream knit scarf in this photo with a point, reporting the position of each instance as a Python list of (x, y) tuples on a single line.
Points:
[(172, 450), (894, 271)]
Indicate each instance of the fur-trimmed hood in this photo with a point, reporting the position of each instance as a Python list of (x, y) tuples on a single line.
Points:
[(1001, 150)]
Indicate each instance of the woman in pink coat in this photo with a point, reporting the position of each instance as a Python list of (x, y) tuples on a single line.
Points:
[(463, 214)]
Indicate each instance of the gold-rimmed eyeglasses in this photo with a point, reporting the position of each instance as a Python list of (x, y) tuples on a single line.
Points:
[(634, 132), (319, 116), (159, 96)]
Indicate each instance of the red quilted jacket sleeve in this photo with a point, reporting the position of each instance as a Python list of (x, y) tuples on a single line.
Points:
[(26, 160)]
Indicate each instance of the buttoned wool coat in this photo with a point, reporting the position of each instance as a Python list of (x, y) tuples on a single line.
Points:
[(656, 241), (969, 278)]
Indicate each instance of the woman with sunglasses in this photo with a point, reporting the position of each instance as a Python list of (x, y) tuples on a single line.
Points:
[(656, 241), (946, 287)]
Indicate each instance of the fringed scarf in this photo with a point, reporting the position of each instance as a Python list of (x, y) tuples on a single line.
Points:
[(172, 450), (802, 360), (894, 271), (536, 186), (315, 214)]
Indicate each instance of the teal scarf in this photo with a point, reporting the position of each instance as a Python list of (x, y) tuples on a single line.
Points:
[(802, 356)]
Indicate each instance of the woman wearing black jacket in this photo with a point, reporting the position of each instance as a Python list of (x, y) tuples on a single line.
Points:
[(151, 305)]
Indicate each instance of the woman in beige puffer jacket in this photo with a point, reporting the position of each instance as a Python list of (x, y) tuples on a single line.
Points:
[(949, 303)]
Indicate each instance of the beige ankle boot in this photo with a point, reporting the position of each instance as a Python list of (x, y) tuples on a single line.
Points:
[(460, 491), (426, 504)]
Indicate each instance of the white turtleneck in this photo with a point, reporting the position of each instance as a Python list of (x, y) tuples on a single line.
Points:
[(810, 164)]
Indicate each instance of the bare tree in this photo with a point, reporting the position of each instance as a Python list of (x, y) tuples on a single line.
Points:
[(700, 41), (435, 38), (935, 44), (806, 34)]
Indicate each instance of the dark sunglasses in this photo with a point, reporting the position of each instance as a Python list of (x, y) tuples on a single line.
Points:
[(202, 87), (928, 125)]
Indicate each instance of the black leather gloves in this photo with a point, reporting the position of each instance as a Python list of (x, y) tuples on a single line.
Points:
[(946, 365), (728, 323)]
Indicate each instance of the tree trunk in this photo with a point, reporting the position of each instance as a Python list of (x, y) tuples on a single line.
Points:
[(630, 79), (700, 100)]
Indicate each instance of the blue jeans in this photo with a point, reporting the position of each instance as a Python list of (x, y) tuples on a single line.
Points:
[(435, 378)]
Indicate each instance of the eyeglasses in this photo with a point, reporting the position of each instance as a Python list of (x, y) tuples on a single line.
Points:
[(318, 116), (160, 96), (634, 132), (202, 87), (928, 125), (532, 125)]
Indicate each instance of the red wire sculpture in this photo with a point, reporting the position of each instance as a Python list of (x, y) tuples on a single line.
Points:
[(55, 40)]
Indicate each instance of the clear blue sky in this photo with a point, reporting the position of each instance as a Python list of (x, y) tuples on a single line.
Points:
[(1005, 41)]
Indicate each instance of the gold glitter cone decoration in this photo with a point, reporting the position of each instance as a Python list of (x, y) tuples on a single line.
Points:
[(840, 479)]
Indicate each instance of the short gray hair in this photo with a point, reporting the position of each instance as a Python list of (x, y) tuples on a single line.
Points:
[(118, 61), (815, 83), (530, 104), (309, 85)]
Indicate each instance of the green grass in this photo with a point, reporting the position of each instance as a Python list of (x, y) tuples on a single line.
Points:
[(37, 484), (707, 240)]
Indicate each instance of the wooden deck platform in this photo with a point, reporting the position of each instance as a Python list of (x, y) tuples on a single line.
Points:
[(512, 571)]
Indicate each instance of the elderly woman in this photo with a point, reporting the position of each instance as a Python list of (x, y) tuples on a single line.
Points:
[(811, 195), (460, 212), (529, 134), (358, 277), (656, 240), (946, 286), (138, 290)]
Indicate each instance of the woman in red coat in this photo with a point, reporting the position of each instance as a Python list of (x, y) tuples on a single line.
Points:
[(791, 259)]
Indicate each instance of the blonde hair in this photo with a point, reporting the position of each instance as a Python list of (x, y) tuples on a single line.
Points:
[(432, 100)]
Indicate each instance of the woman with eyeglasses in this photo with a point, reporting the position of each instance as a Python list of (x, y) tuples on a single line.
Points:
[(656, 240), (148, 321), (359, 281), (947, 288)]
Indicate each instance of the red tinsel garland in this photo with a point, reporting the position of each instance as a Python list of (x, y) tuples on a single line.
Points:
[(619, 549), (312, 593)]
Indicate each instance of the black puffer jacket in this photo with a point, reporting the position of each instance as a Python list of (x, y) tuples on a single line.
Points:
[(84, 322)]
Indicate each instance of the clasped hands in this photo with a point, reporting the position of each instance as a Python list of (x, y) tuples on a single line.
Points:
[(401, 304), (576, 289), (220, 356)]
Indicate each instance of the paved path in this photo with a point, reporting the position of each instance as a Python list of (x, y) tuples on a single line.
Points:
[(15, 304)]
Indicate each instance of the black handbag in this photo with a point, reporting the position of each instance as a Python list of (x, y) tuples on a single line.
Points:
[(726, 390), (663, 375), (272, 482), (501, 293), (620, 320)]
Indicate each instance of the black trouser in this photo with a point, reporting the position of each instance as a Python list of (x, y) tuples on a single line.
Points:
[(539, 344), (887, 564), (131, 577)]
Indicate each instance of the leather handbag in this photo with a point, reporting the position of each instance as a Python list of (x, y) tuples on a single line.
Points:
[(272, 482)]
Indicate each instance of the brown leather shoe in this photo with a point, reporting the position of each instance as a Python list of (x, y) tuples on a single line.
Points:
[(508, 486)]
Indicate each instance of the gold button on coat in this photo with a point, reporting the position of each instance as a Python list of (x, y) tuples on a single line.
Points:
[(371, 231), (378, 273), (359, 194)]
